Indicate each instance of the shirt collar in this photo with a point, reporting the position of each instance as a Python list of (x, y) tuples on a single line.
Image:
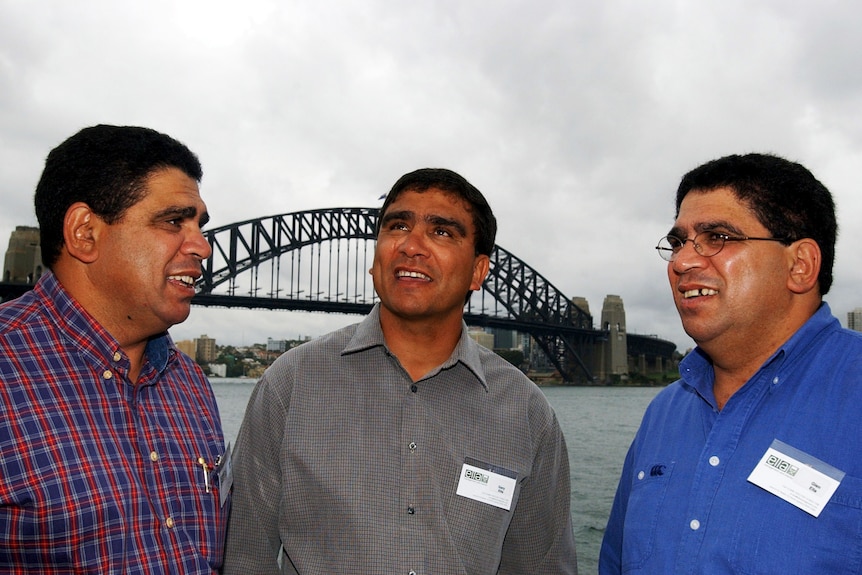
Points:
[(72, 319), (696, 368), (369, 334)]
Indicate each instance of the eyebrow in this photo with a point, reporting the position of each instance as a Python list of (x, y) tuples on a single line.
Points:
[(677, 231), (185, 213), (401, 215), (449, 223), (436, 220)]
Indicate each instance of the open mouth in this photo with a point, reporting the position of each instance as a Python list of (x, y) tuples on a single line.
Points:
[(188, 281), (698, 292), (414, 275)]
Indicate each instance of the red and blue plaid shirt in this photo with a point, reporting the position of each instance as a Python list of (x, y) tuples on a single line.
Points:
[(97, 474)]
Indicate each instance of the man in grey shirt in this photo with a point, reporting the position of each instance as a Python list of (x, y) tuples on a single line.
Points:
[(399, 445)]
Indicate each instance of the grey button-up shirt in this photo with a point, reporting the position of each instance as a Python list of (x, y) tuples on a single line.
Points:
[(343, 464)]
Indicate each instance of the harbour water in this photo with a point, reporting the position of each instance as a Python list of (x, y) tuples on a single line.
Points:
[(598, 422)]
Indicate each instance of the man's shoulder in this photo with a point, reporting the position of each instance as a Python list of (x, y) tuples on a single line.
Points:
[(670, 403), (24, 312), (320, 349), (504, 378), (498, 368), (190, 365), (334, 341)]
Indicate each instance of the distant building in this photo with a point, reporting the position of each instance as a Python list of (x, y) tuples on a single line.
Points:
[(217, 369), (276, 345), (854, 319), (23, 262), (187, 346), (506, 339), (205, 349), (482, 338)]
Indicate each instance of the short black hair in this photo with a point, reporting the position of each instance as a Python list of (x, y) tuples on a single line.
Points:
[(106, 167), (785, 196), (449, 182)]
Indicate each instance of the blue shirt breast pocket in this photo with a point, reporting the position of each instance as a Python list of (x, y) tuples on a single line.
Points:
[(785, 539), (649, 488)]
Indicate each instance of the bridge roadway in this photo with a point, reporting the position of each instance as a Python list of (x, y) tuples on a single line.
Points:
[(650, 348), (317, 260)]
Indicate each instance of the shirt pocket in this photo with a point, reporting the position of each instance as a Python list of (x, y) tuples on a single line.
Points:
[(775, 537), (649, 488)]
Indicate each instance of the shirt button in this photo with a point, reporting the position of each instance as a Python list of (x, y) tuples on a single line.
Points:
[(169, 522), (107, 374), (414, 388), (410, 510), (117, 356), (641, 475), (714, 460), (154, 456), (695, 524), (412, 573), (412, 446)]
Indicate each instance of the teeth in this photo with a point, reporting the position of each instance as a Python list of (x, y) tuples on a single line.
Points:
[(699, 292), (188, 280), (413, 275)]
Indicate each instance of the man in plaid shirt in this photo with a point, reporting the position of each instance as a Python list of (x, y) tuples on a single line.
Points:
[(111, 452)]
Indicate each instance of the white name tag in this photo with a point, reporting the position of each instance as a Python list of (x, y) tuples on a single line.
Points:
[(487, 483), (796, 477), (225, 476)]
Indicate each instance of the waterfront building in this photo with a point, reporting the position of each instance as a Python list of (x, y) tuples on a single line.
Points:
[(205, 349), (217, 369)]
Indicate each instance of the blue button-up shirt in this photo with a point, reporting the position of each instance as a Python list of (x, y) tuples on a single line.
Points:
[(99, 474), (684, 503)]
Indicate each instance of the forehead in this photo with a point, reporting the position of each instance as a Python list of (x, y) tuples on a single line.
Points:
[(171, 186), (705, 208), (432, 201)]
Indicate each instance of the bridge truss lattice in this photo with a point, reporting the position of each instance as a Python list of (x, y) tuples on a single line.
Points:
[(318, 260)]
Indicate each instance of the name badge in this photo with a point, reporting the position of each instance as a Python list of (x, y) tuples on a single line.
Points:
[(487, 483), (796, 477), (225, 476)]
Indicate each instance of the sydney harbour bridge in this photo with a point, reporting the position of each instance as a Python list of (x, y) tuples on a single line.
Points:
[(318, 260)]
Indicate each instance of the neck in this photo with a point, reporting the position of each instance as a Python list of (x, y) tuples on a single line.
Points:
[(101, 310), (736, 360), (420, 345)]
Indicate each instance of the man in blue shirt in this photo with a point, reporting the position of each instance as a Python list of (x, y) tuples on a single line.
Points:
[(751, 462)]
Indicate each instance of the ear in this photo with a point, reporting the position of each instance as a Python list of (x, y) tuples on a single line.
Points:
[(481, 265), (805, 261), (80, 232)]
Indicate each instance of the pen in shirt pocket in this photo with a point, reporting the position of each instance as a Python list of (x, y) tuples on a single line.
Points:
[(206, 468)]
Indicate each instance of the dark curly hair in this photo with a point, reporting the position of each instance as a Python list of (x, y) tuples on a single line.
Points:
[(106, 167), (786, 198)]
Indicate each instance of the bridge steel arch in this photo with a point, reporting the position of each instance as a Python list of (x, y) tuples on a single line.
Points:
[(285, 256)]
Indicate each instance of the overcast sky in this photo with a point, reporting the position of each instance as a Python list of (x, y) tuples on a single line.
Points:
[(576, 119)]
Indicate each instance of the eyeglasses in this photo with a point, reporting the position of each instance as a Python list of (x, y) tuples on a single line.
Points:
[(707, 244)]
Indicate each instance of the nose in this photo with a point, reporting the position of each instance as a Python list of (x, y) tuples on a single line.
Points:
[(413, 243), (197, 244), (686, 258)]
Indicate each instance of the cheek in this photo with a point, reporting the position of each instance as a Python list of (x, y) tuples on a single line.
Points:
[(744, 279)]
